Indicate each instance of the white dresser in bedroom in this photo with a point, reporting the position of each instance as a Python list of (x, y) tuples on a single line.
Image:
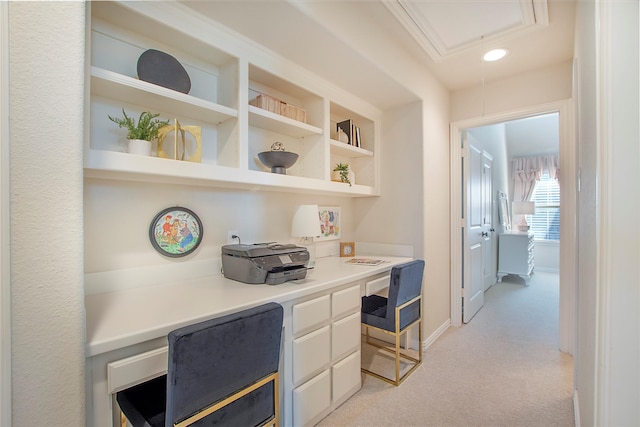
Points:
[(515, 254)]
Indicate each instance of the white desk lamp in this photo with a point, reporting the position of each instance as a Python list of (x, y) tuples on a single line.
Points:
[(523, 208), (306, 225)]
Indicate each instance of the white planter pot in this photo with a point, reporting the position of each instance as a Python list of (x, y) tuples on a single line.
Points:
[(335, 176), (139, 147)]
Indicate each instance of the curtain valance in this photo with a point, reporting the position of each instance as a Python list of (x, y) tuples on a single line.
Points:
[(527, 170)]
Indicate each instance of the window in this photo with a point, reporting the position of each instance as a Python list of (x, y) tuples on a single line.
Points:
[(545, 223)]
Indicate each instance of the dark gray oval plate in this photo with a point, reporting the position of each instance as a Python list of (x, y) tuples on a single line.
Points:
[(163, 70)]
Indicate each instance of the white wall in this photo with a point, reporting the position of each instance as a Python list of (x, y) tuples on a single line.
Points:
[(118, 215), (585, 361), (621, 161), (536, 87), (5, 248), (608, 328), (546, 254), (46, 133)]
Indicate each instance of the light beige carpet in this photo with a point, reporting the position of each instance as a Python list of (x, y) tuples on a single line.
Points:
[(502, 369)]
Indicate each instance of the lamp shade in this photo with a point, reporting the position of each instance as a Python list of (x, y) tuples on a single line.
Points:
[(523, 208), (306, 222)]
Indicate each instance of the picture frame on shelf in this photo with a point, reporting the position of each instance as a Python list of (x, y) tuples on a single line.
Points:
[(329, 217), (347, 249), (176, 232)]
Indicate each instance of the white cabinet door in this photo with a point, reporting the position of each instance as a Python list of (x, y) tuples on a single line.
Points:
[(312, 400), (345, 301), (345, 336), (308, 315), (311, 354), (346, 378)]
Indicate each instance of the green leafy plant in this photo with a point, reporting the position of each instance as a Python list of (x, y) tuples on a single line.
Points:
[(146, 129), (343, 168)]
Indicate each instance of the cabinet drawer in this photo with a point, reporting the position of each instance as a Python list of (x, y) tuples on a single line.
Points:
[(345, 336), (137, 369), (311, 354), (312, 400), (346, 378), (345, 301), (309, 315), (376, 285)]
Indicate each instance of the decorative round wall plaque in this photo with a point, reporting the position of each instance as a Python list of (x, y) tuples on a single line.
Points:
[(176, 231)]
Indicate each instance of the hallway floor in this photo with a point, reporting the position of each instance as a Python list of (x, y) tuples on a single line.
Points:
[(502, 369)]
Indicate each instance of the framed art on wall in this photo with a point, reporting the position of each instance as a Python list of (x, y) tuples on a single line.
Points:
[(329, 223), (176, 231)]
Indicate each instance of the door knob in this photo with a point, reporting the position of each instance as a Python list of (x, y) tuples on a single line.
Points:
[(485, 234)]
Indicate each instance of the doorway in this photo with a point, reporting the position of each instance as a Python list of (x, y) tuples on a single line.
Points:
[(567, 216)]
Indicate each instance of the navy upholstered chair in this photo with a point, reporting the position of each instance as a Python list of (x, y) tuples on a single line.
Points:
[(396, 314), (221, 372)]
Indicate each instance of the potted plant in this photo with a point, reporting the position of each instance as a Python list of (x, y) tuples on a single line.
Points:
[(141, 135), (342, 173)]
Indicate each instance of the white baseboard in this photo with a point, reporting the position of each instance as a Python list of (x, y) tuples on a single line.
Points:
[(547, 270), (435, 335), (576, 408)]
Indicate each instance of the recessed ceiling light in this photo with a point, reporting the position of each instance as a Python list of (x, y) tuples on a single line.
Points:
[(495, 54)]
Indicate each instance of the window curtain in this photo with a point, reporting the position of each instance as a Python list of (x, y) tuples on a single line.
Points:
[(527, 170)]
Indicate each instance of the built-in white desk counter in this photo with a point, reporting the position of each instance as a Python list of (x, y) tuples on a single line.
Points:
[(320, 363)]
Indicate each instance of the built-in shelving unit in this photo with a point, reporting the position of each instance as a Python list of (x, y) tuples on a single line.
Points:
[(225, 77)]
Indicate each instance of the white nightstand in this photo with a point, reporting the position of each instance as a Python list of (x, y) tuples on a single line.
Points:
[(515, 251)]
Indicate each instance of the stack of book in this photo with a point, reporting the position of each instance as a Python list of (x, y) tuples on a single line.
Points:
[(274, 105), (351, 130)]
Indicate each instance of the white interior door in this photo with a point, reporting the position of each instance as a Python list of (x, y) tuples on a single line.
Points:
[(489, 278), (475, 230)]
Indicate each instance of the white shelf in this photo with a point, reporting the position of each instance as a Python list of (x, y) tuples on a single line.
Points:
[(346, 150), (267, 120), (129, 167), (221, 68), (117, 86)]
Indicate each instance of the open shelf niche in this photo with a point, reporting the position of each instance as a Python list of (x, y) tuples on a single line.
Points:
[(221, 69), (358, 152), (302, 135)]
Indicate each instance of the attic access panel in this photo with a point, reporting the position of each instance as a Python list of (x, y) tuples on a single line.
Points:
[(444, 28)]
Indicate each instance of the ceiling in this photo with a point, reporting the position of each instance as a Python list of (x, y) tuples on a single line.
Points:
[(448, 37)]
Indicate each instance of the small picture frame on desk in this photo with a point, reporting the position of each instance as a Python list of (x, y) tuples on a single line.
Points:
[(347, 249)]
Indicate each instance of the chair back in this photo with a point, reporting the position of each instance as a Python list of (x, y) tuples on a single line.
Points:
[(404, 285), (211, 360)]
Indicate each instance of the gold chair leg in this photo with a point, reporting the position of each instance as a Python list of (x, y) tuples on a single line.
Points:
[(397, 353), (397, 382)]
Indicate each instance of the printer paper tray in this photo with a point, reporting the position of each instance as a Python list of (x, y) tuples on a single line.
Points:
[(279, 277)]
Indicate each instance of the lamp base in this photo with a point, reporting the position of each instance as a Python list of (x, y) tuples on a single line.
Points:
[(309, 244), (523, 226)]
